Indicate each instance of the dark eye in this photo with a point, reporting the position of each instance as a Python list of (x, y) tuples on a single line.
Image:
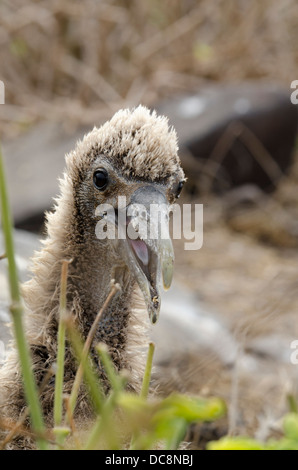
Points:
[(179, 189), (101, 179)]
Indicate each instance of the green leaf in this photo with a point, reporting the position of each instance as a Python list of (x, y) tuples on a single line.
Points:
[(290, 425), (235, 443), (282, 444), (195, 409)]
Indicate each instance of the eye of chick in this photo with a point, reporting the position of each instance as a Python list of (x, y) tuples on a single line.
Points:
[(101, 179), (179, 188)]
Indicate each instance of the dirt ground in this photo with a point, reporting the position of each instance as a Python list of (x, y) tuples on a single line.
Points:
[(247, 272)]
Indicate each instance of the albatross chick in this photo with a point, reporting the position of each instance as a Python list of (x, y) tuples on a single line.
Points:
[(134, 156)]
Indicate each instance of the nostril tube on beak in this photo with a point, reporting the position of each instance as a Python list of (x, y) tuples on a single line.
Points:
[(149, 244)]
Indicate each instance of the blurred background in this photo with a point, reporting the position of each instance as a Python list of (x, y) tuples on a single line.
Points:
[(222, 72)]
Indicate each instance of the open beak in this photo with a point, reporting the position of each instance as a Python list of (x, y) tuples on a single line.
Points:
[(147, 247)]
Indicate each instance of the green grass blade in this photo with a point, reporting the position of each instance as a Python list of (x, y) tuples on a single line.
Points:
[(148, 371), (115, 288), (145, 385), (177, 436), (58, 401), (88, 370), (104, 431), (115, 379), (30, 388)]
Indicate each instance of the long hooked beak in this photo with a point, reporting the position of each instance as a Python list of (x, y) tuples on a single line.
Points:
[(147, 247)]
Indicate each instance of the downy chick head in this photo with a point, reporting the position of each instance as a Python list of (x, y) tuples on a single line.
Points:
[(124, 176)]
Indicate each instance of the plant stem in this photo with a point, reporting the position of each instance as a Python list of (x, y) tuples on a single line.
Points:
[(115, 379), (148, 372), (88, 370), (78, 379), (178, 435), (58, 402), (292, 403), (104, 427), (145, 385), (17, 314)]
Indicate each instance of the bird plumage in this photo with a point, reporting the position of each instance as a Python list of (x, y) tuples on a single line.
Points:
[(138, 149)]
